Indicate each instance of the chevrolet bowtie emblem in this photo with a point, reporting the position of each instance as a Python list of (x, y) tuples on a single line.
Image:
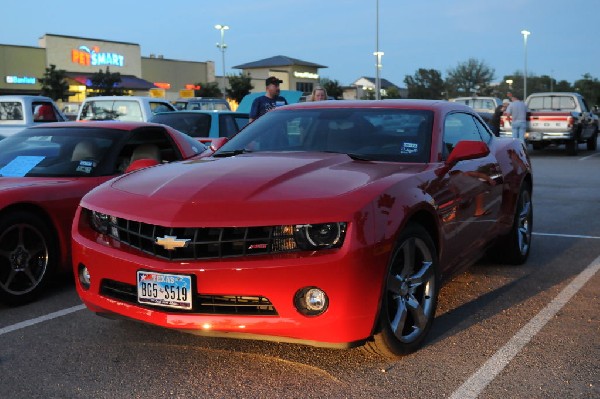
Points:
[(171, 242)]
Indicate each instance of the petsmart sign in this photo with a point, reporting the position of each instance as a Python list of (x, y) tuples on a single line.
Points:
[(94, 57)]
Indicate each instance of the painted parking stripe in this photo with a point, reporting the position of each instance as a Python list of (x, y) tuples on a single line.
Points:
[(565, 235), (41, 319), (486, 374)]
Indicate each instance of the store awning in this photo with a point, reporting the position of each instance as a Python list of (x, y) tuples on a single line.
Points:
[(128, 82)]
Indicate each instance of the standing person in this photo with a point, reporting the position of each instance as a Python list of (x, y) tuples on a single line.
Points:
[(318, 94), (495, 120), (517, 115), (263, 104)]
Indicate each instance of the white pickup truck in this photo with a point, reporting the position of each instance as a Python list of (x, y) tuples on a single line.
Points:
[(19, 112), (558, 118)]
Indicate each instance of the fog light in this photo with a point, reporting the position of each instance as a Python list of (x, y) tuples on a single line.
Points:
[(311, 301), (84, 277)]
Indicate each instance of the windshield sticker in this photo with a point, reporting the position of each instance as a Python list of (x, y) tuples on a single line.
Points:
[(409, 148), (85, 166), (20, 166)]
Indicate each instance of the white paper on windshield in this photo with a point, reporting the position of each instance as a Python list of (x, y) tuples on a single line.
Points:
[(20, 166)]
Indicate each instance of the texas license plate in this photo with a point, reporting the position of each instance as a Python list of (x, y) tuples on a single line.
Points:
[(160, 289)]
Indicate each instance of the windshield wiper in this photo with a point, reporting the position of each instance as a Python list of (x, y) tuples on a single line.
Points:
[(224, 154)]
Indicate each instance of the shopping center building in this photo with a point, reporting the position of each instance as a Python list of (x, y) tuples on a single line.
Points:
[(21, 68)]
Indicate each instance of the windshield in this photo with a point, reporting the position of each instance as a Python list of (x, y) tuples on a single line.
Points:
[(397, 135), (55, 152)]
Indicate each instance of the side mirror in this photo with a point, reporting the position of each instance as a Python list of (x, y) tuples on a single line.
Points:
[(218, 143), (467, 149), (140, 164), (463, 150)]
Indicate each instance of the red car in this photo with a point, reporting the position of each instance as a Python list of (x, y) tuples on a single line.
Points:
[(45, 171), (330, 223)]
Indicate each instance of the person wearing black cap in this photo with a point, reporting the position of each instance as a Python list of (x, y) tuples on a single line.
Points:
[(263, 104)]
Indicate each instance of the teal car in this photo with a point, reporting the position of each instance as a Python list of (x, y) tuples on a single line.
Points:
[(204, 125)]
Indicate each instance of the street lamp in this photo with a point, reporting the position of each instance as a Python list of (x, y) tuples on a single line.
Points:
[(377, 54), (222, 46), (525, 33)]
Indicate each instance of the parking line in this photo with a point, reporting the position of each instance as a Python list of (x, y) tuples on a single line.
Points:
[(565, 235), (471, 388), (49, 316)]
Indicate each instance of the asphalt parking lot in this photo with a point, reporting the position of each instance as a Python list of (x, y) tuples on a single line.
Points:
[(526, 331)]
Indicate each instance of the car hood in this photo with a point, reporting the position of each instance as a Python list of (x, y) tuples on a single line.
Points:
[(249, 187)]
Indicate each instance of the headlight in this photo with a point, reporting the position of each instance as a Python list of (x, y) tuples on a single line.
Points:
[(99, 221), (322, 235)]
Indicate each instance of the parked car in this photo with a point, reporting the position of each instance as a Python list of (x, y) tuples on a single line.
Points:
[(557, 118), (330, 223), (45, 170), (19, 112), (484, 106), (202, 103), (206, 125), (122, 108)]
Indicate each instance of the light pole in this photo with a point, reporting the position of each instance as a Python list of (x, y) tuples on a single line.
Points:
[(222, 46), (377, 54), (525, 33)]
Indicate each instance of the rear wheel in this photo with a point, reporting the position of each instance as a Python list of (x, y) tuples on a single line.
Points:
[(27, 257), (409, 297)]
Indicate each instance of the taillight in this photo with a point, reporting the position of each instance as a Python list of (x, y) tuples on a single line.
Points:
[(570, 121)]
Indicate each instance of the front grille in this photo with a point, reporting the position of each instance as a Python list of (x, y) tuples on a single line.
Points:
[(243, 305), (203, 243)]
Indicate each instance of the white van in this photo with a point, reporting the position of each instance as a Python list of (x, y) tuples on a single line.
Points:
[(122, 108)]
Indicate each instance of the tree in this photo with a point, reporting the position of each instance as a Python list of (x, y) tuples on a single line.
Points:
[(425, 84), (54, 83), (469, 78), (105, 83), (240, 87), (333, 88), (208, 90), (589, 88), (392, 92)]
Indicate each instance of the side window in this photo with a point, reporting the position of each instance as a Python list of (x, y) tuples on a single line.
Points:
[(156, 107), (484, 131), (227, 126), (458, 126)]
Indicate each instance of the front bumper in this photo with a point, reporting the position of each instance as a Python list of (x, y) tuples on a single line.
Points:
[(352, 279)]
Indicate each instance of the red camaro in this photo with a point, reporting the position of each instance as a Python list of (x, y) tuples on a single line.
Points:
[(44, 172), (330, 223)]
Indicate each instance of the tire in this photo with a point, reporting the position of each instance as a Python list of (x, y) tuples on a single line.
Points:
[(572, 147), (592, 142), (28, 257), (409, 297), (537, 145), (513, 249)]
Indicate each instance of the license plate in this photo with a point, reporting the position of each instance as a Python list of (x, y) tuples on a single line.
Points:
[(160, 289)]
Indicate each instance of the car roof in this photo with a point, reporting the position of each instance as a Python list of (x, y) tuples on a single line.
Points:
[(118, 125), (398, 104), (203, 111), (125, 98)]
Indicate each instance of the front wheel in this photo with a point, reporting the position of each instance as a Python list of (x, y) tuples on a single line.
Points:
[(409, 296), (592, 142), (27, 257), (513, 249)]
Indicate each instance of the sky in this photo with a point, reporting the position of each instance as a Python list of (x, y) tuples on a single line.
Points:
[(340, 34)]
